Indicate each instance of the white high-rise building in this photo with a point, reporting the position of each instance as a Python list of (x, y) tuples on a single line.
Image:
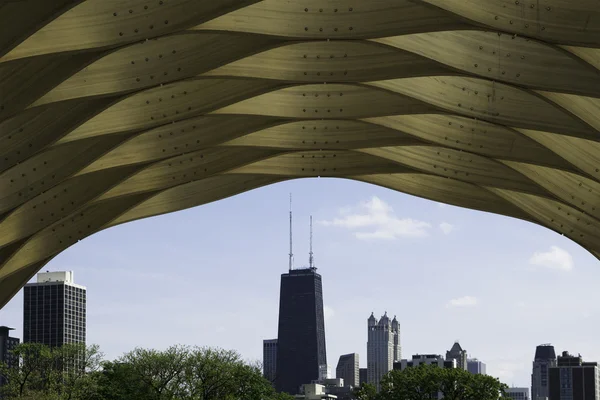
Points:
[(383, 347), (324, 372)]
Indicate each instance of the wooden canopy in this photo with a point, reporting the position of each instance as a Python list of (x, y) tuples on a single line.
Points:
[(116, 110)]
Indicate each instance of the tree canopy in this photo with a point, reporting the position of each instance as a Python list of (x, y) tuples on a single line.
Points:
[(425, 382), (51, 372), (73, 372), (76, 372), (365, 392)]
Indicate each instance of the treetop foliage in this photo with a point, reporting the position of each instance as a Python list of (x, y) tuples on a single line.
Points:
[(74, 372), (426, 382)]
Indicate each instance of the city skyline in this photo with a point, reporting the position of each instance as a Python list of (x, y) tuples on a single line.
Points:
[(508, 265)]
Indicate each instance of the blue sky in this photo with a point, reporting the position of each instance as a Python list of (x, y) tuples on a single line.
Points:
[(209, 276)]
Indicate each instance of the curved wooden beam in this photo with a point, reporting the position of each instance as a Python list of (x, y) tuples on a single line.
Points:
[(116, 110)]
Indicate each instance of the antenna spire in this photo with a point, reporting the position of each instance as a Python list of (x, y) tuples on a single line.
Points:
[(311, 260), (291, 252)]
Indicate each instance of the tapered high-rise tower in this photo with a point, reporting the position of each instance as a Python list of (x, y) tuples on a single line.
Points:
[(301, 335), (301, 350)]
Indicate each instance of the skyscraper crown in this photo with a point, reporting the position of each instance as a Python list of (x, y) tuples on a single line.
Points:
[(384, 320), (372, 320), (545, 352), (456, 348)]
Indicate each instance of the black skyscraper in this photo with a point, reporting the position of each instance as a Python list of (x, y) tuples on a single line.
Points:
[(301, 336), (545, 358), (7, 344), (54, 310), (573, 379)]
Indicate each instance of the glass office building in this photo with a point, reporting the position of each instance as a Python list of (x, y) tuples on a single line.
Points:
[(301, 333), (54, 310)]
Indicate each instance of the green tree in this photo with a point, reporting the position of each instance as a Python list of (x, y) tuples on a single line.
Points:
[(250, 384), (486, 387), (211, 374), (160, 371), (365, 392), (74, 372), (455, 384), (58, 373), (77, 366), (34, 360), (281, 396), (184, 373), (217, 374), (426, 381), (415, 383), (119, 381)]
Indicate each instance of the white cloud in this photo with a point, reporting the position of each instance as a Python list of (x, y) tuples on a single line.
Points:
[(465, 301), (442, 205), (446, 228), (556, 258), (379, 218), (328, 313)]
